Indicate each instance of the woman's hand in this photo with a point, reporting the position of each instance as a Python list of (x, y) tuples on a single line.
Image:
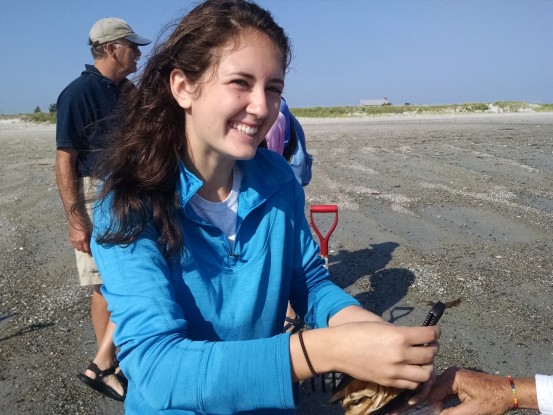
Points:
[(382, 353)]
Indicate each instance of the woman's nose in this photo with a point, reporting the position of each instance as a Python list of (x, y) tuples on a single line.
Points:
[(258, 104)]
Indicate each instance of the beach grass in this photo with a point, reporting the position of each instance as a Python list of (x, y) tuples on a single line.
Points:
[(544, 108), (364, 111), (49, 117), (474, 107)]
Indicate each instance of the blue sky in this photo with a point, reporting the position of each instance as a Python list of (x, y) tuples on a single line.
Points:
[(418, 51)]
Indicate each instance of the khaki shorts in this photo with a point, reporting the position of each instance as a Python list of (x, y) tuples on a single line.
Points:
[(88, 271)]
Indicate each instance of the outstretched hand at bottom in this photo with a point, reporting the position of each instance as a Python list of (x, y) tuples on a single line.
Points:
[(479, 393)]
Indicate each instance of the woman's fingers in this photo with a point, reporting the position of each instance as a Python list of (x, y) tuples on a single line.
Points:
[(391, 355), (412, 376), (422, 335), (421, 355)]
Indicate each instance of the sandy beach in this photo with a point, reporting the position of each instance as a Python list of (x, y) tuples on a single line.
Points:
[(456, 208)]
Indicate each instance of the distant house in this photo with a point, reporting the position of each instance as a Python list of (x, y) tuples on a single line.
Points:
[(373, 102)]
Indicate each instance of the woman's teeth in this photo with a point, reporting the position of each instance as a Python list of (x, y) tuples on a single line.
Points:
[(245, 129)]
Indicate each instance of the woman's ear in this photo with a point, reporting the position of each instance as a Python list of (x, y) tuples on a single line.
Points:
[(180, 88)]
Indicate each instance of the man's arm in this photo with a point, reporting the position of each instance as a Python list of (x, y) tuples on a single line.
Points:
[(80, 226)]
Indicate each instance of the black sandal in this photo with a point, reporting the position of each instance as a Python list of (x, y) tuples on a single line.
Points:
[(98, 383)]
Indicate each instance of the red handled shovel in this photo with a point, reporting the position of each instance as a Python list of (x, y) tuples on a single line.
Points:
[(323, 244), (324, 239)]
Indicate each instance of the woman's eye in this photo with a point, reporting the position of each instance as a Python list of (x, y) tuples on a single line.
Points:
[(240, 82), (275, 89)]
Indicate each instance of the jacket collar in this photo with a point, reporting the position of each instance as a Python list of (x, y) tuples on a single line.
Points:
[(262, 176)]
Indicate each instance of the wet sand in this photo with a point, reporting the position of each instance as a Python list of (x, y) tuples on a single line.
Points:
[(451, 208)]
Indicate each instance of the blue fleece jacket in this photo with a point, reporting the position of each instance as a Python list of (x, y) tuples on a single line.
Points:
[(202, 332)]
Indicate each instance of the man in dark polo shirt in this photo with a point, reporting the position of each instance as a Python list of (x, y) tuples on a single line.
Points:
[(86, 115)]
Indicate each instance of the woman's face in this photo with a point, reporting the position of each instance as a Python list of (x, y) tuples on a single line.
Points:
[(236, 105)]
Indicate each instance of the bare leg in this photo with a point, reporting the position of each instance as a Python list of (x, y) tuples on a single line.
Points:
[(100, 314), (104, 328)]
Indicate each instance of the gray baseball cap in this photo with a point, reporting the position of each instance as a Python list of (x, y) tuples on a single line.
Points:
[(110, 29)]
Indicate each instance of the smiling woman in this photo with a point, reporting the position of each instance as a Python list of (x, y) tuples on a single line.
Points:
[(202, 238), (233, 109)]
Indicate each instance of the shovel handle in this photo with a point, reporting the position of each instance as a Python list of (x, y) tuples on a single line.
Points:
[(324, 239), (324, 208)]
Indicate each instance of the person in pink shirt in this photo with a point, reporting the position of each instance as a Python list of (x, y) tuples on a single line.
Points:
[(275, 136)]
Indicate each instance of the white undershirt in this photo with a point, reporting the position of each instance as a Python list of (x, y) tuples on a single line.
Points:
[(544, 388), (221, 214)]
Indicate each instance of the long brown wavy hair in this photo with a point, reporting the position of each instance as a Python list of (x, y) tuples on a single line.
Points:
[(140, 167)]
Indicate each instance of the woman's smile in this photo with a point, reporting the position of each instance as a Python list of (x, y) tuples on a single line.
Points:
[(243, 128)]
